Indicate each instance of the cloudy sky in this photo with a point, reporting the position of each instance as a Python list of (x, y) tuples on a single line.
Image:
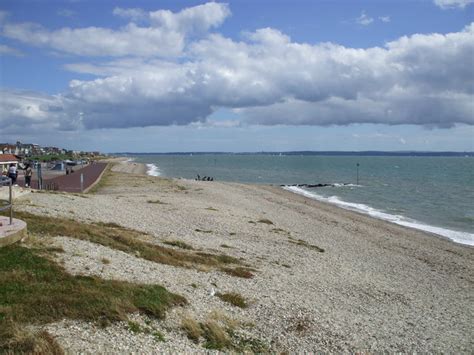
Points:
[(246, 75)]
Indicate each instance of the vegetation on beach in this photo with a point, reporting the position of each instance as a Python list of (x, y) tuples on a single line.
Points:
[(158, 202), (233, 298), (133, 242), (265, 221), (179, 244), (219, 332), (35, 288), (305, 244), (104, 181)]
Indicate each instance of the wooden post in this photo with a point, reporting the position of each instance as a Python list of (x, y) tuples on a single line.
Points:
[(357, 173)]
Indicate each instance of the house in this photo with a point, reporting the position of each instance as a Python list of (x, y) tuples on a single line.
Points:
[(6, 160), (6, 148)]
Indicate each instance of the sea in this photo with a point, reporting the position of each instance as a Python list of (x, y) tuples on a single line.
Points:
[(431, 193)]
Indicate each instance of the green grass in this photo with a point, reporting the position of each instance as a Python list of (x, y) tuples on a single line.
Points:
[(104, 180), (35, 289), (233, 298), (127, 240)]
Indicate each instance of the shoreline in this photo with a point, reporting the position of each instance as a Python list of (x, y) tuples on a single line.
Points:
[(325, 279), (454, 236)]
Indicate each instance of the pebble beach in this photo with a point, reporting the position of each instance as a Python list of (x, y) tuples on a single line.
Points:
[(325, 279)]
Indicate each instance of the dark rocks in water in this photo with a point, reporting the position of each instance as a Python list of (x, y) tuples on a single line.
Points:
[(317, 185)]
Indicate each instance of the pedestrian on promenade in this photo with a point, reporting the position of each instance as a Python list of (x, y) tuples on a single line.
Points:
[(12, 173), (28, 175)]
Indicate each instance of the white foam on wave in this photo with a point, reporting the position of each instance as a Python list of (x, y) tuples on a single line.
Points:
[(152, 170), (456, 236)]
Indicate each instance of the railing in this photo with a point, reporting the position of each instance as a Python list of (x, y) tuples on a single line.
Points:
[(7, 204)]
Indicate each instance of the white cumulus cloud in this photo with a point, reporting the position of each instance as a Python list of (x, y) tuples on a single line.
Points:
[(449, 4), (164, 37), (265, 78), (364, 19)]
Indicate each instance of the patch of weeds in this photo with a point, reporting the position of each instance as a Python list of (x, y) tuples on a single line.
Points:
[(105, 261), (193, 285), (159, 336), (286, 265), (233, 298), (179, 244), (279, 230), (157, 202), (33, 287), (306, 244), (192, 328), (225, 246), (220, 333), (202, 230), (239, 272), (216, 337), (245, 344), (222, 258), (15, 339), (211, 209), (134, 327), (252, 222), (265, 221), (232, 233), (127, 240), (109, 225)]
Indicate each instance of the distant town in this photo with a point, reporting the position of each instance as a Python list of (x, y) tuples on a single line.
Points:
[(31, 151)]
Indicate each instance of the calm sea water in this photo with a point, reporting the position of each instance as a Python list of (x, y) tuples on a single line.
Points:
[(435, 194)]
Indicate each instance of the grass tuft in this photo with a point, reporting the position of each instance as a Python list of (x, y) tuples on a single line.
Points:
[(15, 339), (179, 244), (192, 328), (265, 221), (216, 337), (233, 298), (239, 272)]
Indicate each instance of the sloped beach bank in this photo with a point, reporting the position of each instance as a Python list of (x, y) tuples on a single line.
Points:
[(322, 278)]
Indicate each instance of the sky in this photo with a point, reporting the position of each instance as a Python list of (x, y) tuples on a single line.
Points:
[(238, 76)]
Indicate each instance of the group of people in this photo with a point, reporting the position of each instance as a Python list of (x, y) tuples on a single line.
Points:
[(12, 173), (204, 178)]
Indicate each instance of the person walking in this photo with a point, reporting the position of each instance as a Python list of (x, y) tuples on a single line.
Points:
[(28, 175), (12, 173)]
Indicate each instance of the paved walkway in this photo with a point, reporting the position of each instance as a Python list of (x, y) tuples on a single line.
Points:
[(71, 182)]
